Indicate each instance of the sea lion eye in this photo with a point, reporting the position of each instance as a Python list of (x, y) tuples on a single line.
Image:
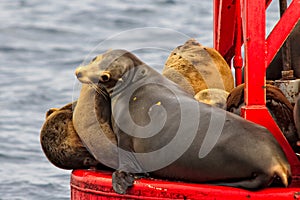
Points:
[(104, 77)]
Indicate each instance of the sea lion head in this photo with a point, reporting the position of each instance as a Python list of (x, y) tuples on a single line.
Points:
[(60, 142), (213, 96), (110, 68)]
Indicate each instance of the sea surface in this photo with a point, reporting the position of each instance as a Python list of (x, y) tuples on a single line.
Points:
[(42, 43)]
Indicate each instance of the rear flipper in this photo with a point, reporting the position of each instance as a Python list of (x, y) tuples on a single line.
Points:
[(259, 181)]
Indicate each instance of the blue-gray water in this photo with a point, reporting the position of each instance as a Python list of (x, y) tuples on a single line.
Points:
[(41, 44)]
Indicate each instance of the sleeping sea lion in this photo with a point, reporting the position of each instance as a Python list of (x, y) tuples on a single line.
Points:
[(163, 130), (195, 67), (278, 105), (60, 142), (213, 96)]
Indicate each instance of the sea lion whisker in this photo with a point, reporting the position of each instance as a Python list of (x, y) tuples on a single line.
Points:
[(98, 90)]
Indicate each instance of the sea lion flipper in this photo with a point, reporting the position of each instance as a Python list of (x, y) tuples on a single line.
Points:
[(256, 182), (278, 175), (121, 181)]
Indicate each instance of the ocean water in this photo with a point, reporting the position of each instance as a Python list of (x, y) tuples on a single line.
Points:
[(41, 44)]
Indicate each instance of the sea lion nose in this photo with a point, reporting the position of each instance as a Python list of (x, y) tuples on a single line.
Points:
[(78, 72)]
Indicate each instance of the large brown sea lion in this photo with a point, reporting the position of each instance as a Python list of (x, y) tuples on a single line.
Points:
[(195, 67), (163, 130), (278, 105)]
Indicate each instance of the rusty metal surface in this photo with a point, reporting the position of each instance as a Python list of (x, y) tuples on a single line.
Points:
[(290, 88)]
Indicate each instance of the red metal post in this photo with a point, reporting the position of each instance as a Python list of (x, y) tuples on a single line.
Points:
[(253, 14), (216, 38), (238, 60), (224, 28)]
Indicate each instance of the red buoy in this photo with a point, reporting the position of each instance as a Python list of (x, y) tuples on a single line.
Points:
[(95, 185)]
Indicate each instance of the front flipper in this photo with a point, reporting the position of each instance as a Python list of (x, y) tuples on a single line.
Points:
[(121, 181)]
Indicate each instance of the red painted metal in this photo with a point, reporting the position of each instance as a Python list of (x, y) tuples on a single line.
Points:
[(95, 185), (224, 26), (238, 60), (253, 14)]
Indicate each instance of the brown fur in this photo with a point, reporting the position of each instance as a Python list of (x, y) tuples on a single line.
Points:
[(215, 97), (60, 142), (277, 104), (195, 68)]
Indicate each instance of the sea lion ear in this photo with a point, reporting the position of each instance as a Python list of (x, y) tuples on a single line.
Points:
[(140, 73)]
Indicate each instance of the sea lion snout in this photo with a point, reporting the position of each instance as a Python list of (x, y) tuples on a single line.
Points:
[(78, 72), (87, 74)]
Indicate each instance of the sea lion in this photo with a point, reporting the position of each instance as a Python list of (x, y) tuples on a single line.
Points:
[(163, 130), (296, 114), (215, 97), (60, 142), (278, 105), (92, 122), (276, 66), (195, 67)]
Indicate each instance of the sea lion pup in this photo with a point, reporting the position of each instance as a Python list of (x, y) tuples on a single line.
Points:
[(213, 96), (60, 142), (279, 107), (195, 67), (163, 130)]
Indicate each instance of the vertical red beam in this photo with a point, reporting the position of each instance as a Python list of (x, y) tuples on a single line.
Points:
[(216, 38), (254, 23), (224, 28), (238, 60)]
